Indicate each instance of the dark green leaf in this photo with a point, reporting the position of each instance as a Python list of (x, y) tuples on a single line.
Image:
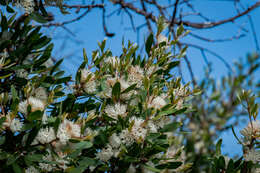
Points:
[(171, 127), (36, 115), (116, 90), (148, 44), (218, 147)]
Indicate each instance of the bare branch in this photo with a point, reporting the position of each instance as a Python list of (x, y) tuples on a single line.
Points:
[(212, 53), (217, 40), (104, 23), (213, 24), (174, 13)]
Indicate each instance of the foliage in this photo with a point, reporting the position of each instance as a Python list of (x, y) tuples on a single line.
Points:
[(120, 114)]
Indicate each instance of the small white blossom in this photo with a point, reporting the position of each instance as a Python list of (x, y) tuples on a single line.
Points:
[(131, 169), (116, 110), (88, 81), (27, 5), (113, 61), (48, 63), (126, 137), (85, 74), (36, 104), (44, 118), (68, 130), (90, 87), (31, 169), (40, 93), (105, 154), (62, 163), (151, 70), (45, 166), (252, 155), (162, 38), (152, 127), (16, 125), (138, 131), (22, 73), (157, 102), (252, 130), (8, 120), (115, 141), (179, 95), (90, 134), (46, 135), (135, 75)]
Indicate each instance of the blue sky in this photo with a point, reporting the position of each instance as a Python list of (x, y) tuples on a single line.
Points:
[(88, 31)]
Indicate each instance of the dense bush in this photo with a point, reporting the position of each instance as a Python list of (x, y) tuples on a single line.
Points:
[(129, 113)]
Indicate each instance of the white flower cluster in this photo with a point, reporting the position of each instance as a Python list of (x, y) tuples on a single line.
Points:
[(179, 96), (88, 81), (68, 130), (138, 130), (136, 75), (35, 103), (32, 169), (116, 110), (27, 5), (111, 150), (45, 136), (251, 131), (156, 102), (14, 124), (252, 155), (114, 61)]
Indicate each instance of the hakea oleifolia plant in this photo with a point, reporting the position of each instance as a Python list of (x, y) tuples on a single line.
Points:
[(120, 114)]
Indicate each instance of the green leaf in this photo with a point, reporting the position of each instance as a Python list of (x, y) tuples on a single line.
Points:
[(11, 159), (149, 43), (170, 165), (132, 87), (116, 90), (151, 168), (180, 30), (36, 115), (169, 112), (14, 92), (38, 18), (218, 147), (171, 127), (82, 145), (4, 23), (230, 166), (9, 9), (85, 56), (5, 76), (17, 168), (2, 140), (62, 80), (34, 157)]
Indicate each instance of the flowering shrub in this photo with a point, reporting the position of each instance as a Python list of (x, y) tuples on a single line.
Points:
[(120, 113)]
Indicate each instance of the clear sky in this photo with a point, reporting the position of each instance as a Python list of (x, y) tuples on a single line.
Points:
[(88, 31)]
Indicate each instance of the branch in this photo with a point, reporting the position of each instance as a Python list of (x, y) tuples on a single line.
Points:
[(216, 40), (104, 24), (212, 53), (174, 13), (213, 24)]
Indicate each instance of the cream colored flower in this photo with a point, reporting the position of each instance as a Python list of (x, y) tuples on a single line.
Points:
[(116, 110)]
